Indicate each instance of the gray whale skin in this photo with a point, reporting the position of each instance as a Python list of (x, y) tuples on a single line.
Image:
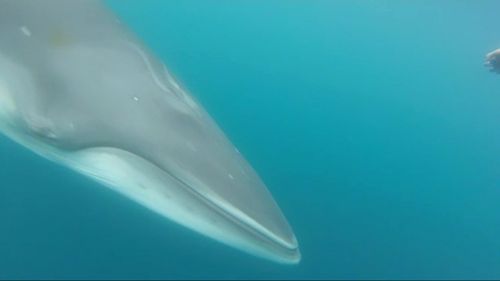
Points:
[(79, 89)]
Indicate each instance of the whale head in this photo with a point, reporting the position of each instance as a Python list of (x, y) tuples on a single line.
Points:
[(84, 92)]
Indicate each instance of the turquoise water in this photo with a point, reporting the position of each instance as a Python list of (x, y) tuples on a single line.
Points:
[(373, 123)]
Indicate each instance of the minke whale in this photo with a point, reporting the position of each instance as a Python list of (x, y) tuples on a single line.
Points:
[(78, 88)]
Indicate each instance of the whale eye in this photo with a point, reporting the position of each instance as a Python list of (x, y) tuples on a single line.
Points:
[(44, 132), (41, 128)]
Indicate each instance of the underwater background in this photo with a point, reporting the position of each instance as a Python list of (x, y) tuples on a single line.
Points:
[(374, 124)]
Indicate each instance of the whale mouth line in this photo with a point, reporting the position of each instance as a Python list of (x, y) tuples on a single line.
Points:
[(286, 249), (229, 212), (246, 223)]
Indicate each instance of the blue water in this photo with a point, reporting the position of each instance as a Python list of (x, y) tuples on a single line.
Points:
[(373, 123)]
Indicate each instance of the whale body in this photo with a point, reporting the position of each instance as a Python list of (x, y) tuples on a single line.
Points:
[(78, 88)]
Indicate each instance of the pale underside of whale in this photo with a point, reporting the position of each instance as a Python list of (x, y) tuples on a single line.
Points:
[(79, 89)]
